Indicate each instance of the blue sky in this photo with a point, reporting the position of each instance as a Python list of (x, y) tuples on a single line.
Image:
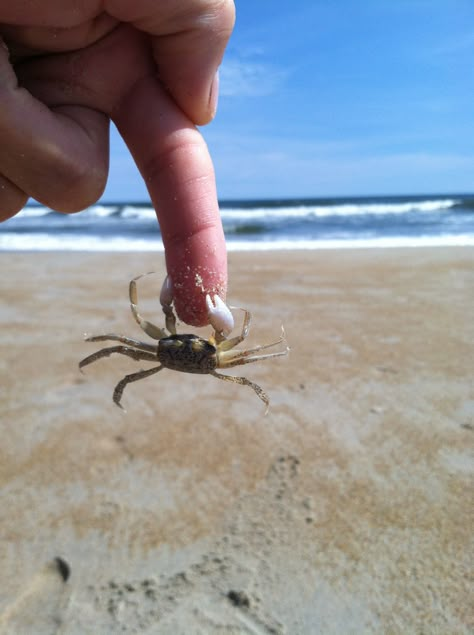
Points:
[(339, 98)]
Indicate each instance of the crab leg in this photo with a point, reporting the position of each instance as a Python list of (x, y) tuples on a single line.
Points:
[(122, 350), (243, 381), (166, 301), (230, 357), (244, 357), (155, 332), (234, 341), (226, 354), (143, 346), (120, 387)]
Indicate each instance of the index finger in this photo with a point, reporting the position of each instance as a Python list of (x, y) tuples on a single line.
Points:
[(176, 166)]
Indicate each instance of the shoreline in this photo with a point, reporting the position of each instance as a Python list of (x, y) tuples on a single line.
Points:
[(93, 244), (345, 507)]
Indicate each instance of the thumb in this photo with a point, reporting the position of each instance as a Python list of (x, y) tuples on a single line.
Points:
[(188, 43), (188, 59)]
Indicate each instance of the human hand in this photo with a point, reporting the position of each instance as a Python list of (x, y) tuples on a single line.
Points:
[(67, 68)]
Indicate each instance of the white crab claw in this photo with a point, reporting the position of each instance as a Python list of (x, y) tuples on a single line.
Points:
[(220, 316), (166, 293)]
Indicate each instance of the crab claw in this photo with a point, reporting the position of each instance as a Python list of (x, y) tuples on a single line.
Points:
[(220, 316), (166, 300), (166, 293)]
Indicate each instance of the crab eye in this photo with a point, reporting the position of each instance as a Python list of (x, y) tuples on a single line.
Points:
[(198, 345)]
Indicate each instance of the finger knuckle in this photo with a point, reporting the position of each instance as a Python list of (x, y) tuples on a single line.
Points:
[(77, 185)]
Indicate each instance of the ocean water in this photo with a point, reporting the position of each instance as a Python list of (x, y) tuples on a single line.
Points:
[(412, 221)]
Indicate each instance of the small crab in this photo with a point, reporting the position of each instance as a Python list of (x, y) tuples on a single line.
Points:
[(184, 352)]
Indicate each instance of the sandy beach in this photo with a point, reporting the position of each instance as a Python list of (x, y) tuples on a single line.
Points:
[(347, 509)]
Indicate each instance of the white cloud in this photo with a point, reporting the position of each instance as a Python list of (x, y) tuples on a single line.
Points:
[(249, 78), (260, 167)]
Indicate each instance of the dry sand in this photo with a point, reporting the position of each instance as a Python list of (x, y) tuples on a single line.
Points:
[(347, 509)]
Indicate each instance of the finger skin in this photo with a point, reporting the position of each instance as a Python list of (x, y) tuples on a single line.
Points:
[(55, 152), (187, 38), (170, 154), (175, 164), (12, 199), (54, 126), (192, 37)]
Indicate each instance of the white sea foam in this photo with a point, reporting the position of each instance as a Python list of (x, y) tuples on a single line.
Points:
[(358, 208), (362, 243), (344, 209), (144, 213), (101, 211), (68, 242), (29, 212), (57, 242), (310, 224)]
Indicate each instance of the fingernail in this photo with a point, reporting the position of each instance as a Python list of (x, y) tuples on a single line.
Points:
[(214, 95)]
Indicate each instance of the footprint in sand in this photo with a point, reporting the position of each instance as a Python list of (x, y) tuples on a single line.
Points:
[(41, 606)]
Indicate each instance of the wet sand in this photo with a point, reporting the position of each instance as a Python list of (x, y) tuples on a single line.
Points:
[(347, 509)]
